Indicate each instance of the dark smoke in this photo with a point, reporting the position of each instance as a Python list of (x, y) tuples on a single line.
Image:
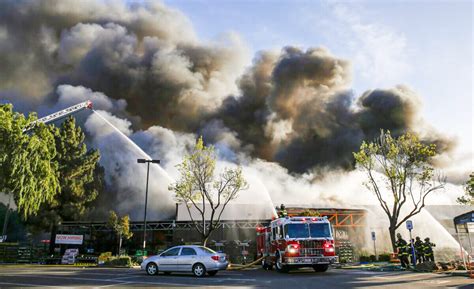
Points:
[(323, 123), (294, 107)]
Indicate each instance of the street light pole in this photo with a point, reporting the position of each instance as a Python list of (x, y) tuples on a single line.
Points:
[(142, 161)]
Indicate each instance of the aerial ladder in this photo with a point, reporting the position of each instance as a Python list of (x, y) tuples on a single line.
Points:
[(60, 114)]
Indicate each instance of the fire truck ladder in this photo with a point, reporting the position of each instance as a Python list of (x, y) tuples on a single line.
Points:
[(60, 114)]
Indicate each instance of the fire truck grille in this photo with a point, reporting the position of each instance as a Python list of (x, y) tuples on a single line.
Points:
[(311, 252), (311, 248)]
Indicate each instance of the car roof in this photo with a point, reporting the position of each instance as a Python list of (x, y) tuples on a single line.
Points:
[(188, 246)]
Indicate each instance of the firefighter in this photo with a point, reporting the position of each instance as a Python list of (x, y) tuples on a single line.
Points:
[(401, 245), (428, 250), (283, 213), (420, 257)]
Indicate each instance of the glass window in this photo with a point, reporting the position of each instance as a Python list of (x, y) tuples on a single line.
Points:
[(188, 252), (171, 252), (297, 230), (320, 230)]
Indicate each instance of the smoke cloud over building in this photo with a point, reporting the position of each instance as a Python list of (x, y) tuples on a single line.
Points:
[(143, 63)]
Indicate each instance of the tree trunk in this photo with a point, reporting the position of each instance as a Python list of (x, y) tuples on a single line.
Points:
[(52, 239), (392, 232), (120, 244), (204, 240)]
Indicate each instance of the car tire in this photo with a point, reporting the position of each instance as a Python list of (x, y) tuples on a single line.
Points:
[(199, 270), (212, 273), (321, 268), (151, 268), (279, 266)]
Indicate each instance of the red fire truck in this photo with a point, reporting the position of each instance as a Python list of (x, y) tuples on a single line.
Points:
[(294, 242)]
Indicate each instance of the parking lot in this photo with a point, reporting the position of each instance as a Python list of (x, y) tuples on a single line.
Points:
[(46, 276)]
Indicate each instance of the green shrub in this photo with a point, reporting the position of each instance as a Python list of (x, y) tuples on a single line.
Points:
[(384, 257), (105, 256), (124, 261)]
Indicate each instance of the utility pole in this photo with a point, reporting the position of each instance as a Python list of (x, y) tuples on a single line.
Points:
[(142, 161), (409, 225), (5, 221), (375, 248)]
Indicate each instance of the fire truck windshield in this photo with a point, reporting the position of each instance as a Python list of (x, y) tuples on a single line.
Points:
[(319, 230), (297, 230), (313, 230)]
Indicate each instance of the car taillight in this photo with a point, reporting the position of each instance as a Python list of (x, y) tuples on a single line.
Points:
[(215, 258)]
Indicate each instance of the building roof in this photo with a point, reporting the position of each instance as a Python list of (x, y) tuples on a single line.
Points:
[(244, 212), (230, 213)]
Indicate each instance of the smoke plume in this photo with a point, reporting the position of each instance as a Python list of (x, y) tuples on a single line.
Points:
[(289, 117)]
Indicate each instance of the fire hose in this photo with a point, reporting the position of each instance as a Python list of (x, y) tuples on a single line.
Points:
[(240, 267)]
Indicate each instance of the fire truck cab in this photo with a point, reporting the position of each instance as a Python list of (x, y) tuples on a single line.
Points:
[(294, 242)]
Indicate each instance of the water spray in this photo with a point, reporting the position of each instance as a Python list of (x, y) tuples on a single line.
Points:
[(134, 145), (445, 232), (274, 212)]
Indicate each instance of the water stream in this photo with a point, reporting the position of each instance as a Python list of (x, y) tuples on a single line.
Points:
[(444, 231), (135, 146), (163, 172)]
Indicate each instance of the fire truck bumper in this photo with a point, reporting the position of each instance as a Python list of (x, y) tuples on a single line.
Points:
[(311, 260)]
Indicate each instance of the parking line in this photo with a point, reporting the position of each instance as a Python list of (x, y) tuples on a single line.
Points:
[(30, 285), (231, 279), (103, 280), (110, 285)]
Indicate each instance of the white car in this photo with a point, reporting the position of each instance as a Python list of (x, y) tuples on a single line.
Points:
[(198, 260)]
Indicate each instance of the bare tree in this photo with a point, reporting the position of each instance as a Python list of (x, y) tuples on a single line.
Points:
[(408, 179), (200, 189)]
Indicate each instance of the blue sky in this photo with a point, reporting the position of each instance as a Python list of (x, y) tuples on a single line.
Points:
[(427, 45)]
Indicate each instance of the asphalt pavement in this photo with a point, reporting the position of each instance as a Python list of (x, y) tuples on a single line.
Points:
[(51, 276)]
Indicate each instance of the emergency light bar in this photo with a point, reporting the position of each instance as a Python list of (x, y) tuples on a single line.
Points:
[(308, 219)]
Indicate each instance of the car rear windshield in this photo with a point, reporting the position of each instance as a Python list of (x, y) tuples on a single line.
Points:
[(207, 250)]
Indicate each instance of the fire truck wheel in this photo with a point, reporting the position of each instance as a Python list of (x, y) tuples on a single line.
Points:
[(321, 268), (266, 266), (279, 264)]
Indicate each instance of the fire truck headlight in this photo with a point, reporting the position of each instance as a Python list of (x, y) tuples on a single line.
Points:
[(293, 248), (330, 249)]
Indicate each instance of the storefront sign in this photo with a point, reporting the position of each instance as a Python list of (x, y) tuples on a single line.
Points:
[(69, 239)]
